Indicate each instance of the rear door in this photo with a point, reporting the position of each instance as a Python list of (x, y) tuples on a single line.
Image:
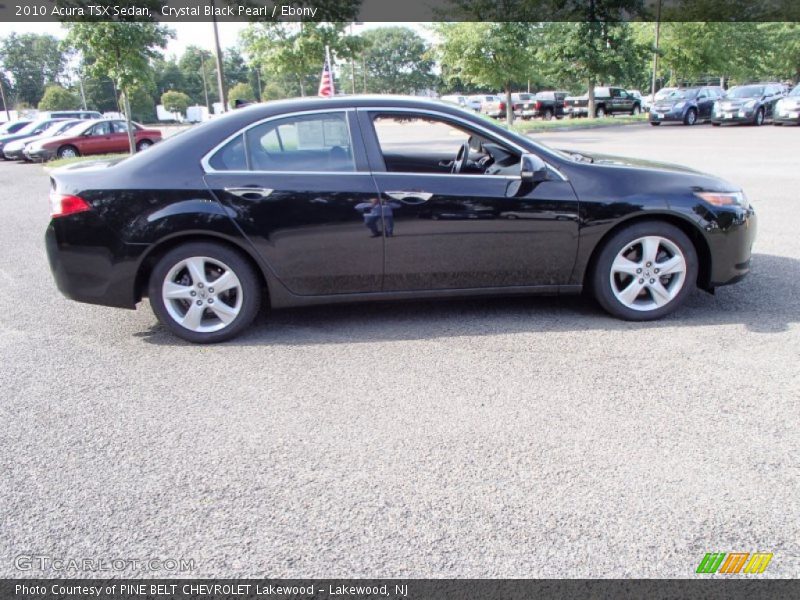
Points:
[(300, 189), (467, 230)]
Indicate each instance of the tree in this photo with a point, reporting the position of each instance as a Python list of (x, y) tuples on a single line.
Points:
[(175, 102), (396, 60), (199, 71), (490, 55), (142, 106), (168, 75), (241, 91), (57, 98), (33, 61), (121, 51)]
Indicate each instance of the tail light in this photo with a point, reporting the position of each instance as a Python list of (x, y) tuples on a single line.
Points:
[(502, 106), (538, 105), (62, 205), (565, 104)]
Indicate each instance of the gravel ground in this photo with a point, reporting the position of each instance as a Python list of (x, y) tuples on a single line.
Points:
[(491, 438)]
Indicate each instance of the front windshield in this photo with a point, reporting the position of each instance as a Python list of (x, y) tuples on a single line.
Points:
[(682, 95), (795, 91), (77, 129), (57, 127), (31, 127), (746, 91), (661, 94)]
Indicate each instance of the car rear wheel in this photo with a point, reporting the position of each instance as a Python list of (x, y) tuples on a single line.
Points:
[(759, 118), (204, 292), (143, 145), (655, 123), (691, 117), (645, 271), (68, 152), (548, 115)]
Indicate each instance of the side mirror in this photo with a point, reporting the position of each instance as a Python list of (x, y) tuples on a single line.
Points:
[(532, 168)]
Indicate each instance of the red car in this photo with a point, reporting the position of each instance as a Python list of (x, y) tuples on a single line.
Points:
[(100, 136)]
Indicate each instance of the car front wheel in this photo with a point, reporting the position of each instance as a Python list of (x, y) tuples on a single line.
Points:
[(143, 145), (68, 152), (204, 292), (645, 271), (759, 118)]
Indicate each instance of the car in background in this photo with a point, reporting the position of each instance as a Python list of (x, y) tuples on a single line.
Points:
[(753, 103), (15, 150), (32, 129), (648, 100), (522, 104), (71, 114), (686, 105), (549, 104), (475, 101), (10, 127), (607, 101), (100, 136), (787, 109), (456, 99), (493, 106)]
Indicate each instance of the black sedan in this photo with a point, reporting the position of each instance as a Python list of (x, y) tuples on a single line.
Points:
[(686, 105), (753, 103), (787, 110), (316, 201)]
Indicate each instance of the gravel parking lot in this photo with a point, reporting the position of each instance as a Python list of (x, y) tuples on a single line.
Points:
[(525, 437)]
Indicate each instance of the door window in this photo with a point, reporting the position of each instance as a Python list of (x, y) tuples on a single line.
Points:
[(101, 129), (120, 127)]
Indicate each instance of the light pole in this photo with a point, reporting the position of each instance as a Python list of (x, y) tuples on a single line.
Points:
[(220, 74), (655, 53), (3, 95)]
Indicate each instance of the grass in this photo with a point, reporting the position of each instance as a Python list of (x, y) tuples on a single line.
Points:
[(60, 162), (535, 125)]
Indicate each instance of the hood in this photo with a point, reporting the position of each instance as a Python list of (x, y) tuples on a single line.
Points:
[(793, 101), (736, 102), (623, 161)]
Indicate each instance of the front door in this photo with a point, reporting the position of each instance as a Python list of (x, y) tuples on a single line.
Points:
[(476, 229), (300, 190), (97, 140)]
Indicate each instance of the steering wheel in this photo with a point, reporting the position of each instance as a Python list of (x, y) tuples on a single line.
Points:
[(461, 158)]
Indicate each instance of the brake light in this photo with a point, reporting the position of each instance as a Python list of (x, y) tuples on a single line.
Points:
[(502, 106), (538, 105), (62, 205)]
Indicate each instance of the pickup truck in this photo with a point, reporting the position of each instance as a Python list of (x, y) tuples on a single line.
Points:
[(607, 101)]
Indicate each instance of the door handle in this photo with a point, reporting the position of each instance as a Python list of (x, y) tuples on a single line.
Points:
[(405, 196), (249, 193)]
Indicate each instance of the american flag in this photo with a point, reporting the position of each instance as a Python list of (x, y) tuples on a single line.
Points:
[(326, 81)]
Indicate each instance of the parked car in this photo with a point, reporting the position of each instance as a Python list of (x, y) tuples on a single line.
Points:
[(607, 101), (99, 136), (549, 104), (10, 127), (211, 223), (15, 150), (493, 106), (455, 99), (647, 101), (787, 109), (475, 101), (687, 105), (30, 130), (753, 103), (522, 104), (71, 114)]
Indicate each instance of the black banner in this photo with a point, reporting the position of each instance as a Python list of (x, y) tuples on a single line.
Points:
[(397, 589), (172, 11)]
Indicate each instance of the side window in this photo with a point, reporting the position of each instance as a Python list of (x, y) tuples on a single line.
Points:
[(231, 156), (101, 129), (319, 142), (120, 127)]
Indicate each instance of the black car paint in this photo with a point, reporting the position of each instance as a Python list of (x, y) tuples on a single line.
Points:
[(311, 244)]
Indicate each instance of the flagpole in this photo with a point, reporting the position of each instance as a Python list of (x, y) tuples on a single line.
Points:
[(330, 66)]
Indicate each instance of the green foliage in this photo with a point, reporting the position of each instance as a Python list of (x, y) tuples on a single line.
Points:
[(143, 107), (241, 91), (194, 64), (34, 61), (57, 98), (397, 61), (175, 102)]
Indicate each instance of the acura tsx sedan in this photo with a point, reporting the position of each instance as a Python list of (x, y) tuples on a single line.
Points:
[(315, 201)]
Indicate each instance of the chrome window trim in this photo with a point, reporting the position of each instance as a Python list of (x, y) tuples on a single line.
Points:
[(205, 164), (466, 123)]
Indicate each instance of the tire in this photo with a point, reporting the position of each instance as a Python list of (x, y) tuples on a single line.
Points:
[(241, 301), (67, 152), (655, 123), (636, 109), (600, 112), (548, 115), (690, 118), (758, 119), (143, 145), (715, 124), (644, 301)]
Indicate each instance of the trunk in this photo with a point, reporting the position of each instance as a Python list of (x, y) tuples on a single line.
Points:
[(131, 138), (509, 108), (590, 102), (302, 89)]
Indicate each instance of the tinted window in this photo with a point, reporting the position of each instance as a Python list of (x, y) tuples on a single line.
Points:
[(231, 156), (302, 143)]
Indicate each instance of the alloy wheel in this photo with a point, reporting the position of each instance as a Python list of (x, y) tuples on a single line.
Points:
[(648, 273), (68, 153), (202, 294)]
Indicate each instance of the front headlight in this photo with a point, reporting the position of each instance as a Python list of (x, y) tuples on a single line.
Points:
[(724, 198), (779, 104)]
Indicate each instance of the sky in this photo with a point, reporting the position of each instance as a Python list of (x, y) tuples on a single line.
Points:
[(187, 34)]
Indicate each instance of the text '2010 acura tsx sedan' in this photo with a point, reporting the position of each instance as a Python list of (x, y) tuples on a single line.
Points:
[(316, 201)]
